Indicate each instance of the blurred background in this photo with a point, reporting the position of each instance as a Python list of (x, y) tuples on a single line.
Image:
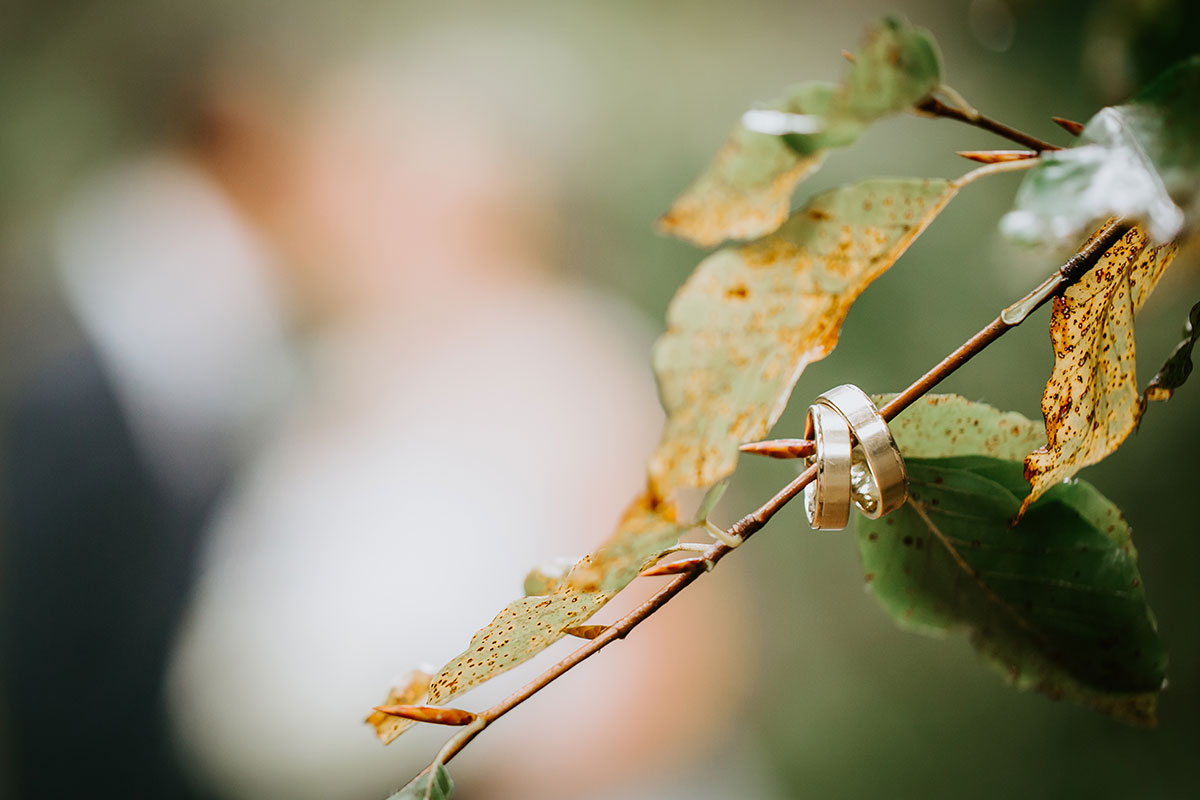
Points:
[(321, 323)]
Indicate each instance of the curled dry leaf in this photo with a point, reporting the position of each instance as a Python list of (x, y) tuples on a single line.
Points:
[(430, 714), (746, 192), (585, 631), (1091, 402), (531, 624), (412, 688), (1174, 373), (674, 567), (750, 318)]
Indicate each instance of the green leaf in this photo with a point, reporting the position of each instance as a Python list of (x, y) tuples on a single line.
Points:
[(1139, 161), (432, 785), (750, 318), (711, 498), (746, 191), (1174, 373), (1055, 602), (545, 578), (948, 424)]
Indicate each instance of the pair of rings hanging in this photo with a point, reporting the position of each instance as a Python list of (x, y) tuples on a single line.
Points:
[(869, 474)]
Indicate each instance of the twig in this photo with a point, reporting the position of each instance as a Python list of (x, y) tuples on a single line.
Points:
[(748, 525), (933, 106)]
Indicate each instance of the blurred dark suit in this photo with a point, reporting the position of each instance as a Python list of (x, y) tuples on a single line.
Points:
[(95, 568)]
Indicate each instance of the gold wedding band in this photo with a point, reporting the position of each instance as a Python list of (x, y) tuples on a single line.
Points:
[(877, 477), (827, 499)]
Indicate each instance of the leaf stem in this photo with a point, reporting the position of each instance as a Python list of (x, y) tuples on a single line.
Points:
[(935, 107), (748, 525)]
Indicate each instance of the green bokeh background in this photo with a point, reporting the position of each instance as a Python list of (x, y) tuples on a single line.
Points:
[(846, 705)]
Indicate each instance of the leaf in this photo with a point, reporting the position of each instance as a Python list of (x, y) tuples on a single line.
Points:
[(746, 191), (545, 578), (432, 785), (1091, 401), (711, 498), (940, 424), (1174, 373), (531, 624), (430, 714), (411, 689), (751, 317), (1055, 602), (1139, 161)]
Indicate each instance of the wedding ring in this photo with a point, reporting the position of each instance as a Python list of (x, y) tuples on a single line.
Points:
[(878, 481), (827, 499)]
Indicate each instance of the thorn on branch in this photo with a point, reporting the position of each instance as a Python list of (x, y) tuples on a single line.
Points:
[(431, 714), (677, 567), (1069, 125), (997, 156), (585, 631), (781, 448)]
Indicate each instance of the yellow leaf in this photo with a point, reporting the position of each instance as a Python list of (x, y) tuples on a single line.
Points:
[(747, 190), (531, 624), (750, 318), (411, 689), (1091, 402)]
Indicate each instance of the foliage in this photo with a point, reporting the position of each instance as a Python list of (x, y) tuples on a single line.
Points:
[(1055, 602), (1140, 161), (433, 785), (1042, 574), (746, 191), (1091, 402)]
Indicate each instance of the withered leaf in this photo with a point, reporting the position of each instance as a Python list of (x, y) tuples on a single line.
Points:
[(751, 317), (746, 191), (531, 624), (1174, 373), (409, 690), (430, 714), (1091, 401)]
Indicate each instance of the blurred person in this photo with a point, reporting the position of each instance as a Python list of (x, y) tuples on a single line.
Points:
[(453, 415)]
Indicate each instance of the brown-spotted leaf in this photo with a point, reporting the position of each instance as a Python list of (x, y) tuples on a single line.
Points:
[(1091, 402), (409, 690), (746, 192), (531, 624), (747, 189), (545, 578), (750, 318)]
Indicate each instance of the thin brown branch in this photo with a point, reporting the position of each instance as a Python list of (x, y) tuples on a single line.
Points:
[(1009, 318), (935, 107), (748, 525)]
